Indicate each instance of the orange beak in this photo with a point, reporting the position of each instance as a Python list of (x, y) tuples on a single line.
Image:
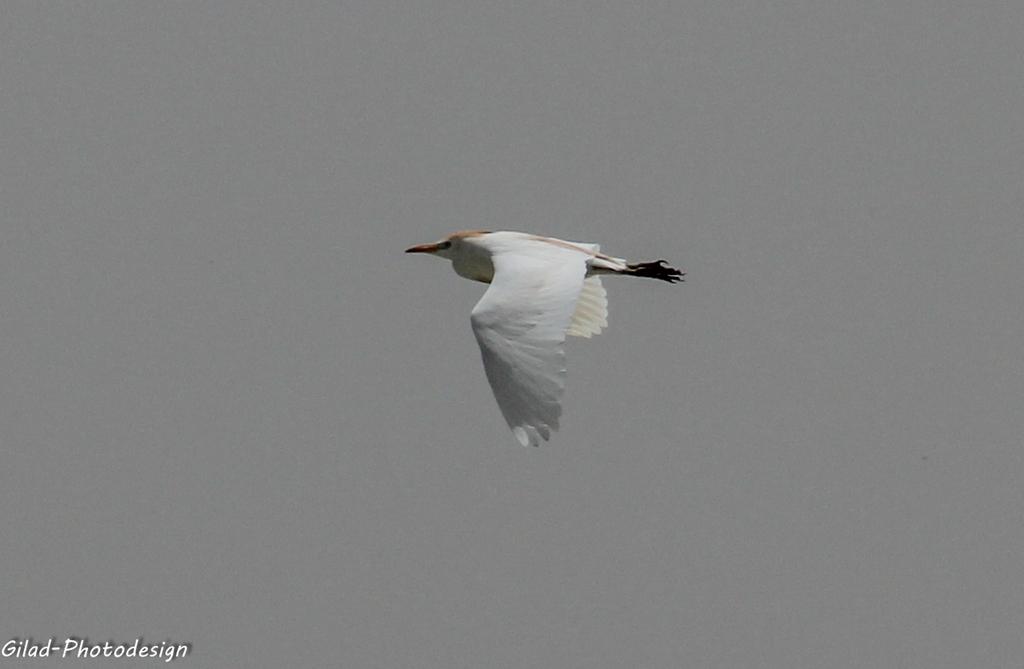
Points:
[(423, 248)]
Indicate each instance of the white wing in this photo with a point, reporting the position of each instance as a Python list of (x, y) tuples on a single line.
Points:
[(520, 324), (591, 315)]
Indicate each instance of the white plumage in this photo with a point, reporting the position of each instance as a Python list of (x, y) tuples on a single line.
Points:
[(591, 315), (541, 289)]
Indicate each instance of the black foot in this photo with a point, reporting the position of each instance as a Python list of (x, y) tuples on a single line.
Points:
[(659, 269)]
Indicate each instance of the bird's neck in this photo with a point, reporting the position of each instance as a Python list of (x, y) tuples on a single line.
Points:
[(474, 264)]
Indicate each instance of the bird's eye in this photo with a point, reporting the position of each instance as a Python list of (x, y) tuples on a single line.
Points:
[(444, 245)]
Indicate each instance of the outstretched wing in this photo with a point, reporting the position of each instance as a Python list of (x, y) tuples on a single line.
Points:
[(520, 324)]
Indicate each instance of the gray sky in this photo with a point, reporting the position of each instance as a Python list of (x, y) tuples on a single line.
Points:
[(233, 413)]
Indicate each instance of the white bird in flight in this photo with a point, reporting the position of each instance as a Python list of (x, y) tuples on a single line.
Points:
[(541, 289)]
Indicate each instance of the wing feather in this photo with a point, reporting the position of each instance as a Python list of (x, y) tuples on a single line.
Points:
[(520, 324), (591, 315)]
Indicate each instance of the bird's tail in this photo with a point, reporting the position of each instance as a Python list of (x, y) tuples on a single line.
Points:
[(658, 269)]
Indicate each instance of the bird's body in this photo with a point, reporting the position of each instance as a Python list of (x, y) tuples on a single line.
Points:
[(541, 289)]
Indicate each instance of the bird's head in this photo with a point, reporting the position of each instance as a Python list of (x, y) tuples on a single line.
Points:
[(451, 246), (442, 248)]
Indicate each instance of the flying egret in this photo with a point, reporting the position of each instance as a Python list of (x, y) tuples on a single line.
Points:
[(541, 289)]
